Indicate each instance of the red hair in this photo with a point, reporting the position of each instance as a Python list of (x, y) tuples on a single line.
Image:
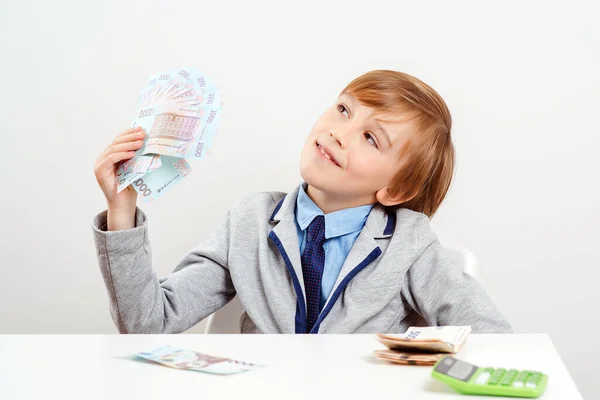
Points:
[(426, 162)]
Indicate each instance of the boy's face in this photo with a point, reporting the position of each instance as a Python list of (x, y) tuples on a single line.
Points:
[(361, 155)]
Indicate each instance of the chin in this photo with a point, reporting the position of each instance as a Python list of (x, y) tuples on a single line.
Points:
[(321, 180), (311, 175)]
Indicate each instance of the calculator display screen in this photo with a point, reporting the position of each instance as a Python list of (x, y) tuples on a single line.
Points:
[(456, 369), (461, 370)]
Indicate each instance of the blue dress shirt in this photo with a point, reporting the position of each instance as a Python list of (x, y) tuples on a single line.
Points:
[(342, 227)]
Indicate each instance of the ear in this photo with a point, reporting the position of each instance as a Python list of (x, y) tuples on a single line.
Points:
[(383, 196)]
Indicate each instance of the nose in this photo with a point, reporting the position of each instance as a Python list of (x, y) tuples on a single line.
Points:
[(339, 138), (347, 132), (336, 139)]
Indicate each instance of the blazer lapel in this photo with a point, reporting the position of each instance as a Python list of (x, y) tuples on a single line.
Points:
[(365, 248), (285, 236)]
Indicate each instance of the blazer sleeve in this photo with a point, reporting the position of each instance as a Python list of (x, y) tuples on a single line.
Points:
[(141, 302), (443, 294)]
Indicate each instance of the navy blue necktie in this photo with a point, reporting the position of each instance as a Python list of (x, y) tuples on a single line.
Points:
[(313, 261)]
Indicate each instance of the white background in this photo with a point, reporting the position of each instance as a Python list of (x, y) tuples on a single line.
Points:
[(521, 80)]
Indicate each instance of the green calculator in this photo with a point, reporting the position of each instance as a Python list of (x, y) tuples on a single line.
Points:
[(470, 379)]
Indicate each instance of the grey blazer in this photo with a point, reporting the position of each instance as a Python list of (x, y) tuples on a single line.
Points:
[(395, 276)]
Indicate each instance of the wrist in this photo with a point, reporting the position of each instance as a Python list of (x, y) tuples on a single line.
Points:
[(121, 208), (120, 218)]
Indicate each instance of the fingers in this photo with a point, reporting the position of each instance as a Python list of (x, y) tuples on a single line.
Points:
[(116, 157), (130, 130), (127, 146), (120, 147), (132, 135), (128, 137), (110, 160)]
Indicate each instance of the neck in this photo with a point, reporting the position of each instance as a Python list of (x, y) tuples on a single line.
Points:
[(330, 203)]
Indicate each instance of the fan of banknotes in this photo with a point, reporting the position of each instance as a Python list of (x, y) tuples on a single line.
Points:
[(180, 111), (422, 345)]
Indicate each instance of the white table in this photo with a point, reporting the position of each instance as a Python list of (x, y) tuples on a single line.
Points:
[(299, 367)]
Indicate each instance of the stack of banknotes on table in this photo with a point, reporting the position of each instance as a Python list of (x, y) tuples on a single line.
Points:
[(180, 111), (422, 345)]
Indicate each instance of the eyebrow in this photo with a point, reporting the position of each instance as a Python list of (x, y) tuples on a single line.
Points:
[(385, 134)]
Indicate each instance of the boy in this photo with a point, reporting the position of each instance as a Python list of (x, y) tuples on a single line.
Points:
[(349, 250)]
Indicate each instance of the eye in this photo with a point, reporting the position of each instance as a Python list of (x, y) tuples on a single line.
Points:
[(342, 108), (371, 139)]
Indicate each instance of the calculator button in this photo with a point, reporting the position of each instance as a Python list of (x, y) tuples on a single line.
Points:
[(497, 376), (523, 375), (536, 376), (518, 384), (499, 372), (509, 377), (483, 378), (532, 381)]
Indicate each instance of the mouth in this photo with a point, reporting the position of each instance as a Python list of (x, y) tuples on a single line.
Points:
[(327, 154)]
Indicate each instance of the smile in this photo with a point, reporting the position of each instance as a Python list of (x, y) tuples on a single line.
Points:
[(325, 154)]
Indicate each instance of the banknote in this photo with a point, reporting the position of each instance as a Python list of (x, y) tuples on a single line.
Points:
[(152, 91), (182, 131), (180, 110), (133, 169), (436, 339), (422, 345), (185, 116), (179, 358), (205, 92), (155, 183), (138, 166), (409, 358)]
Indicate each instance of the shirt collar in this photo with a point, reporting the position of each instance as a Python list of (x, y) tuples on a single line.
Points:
[(337, 223)]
